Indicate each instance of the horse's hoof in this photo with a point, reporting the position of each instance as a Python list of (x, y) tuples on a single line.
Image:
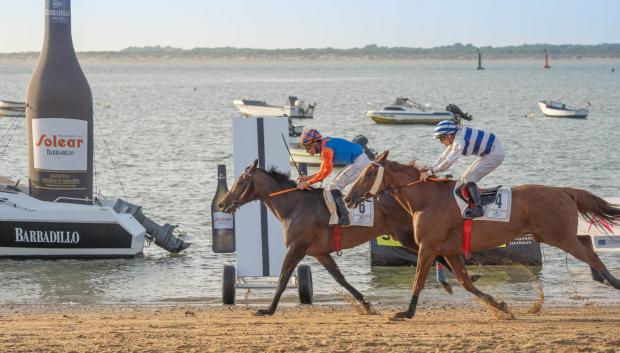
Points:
[(401, 315), (263, 312), (503, 307), (447, 287)]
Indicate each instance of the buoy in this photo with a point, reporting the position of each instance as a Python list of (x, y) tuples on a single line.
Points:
[(479, 61), (546, 60)]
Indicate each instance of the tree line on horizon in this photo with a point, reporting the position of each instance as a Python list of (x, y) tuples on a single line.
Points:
[(371, 51)]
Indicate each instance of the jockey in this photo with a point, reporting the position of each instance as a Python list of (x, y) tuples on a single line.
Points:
[(467, 141), (332, 150)]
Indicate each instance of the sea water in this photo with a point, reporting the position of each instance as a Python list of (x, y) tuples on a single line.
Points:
[(162, 128)]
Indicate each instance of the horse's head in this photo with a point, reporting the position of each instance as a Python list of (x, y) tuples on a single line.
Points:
[(369, 183), (242, 190)]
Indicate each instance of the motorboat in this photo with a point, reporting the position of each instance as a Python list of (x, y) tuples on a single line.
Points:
[(561, 110), (12, 109), (67, 228), (294, 108), (406, 111)]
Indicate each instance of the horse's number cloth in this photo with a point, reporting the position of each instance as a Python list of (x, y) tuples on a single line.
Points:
[(363, 215), (498, 210)]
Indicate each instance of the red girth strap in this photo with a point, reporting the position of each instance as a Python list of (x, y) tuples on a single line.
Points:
[(337, 240), (467, 237)]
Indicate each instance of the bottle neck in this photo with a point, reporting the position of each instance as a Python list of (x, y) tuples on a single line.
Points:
[(57, 25)]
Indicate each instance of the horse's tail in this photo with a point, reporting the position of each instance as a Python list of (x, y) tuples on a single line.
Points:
[(593, 208)]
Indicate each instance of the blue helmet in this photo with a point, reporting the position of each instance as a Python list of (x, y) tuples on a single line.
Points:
[(445, 127)]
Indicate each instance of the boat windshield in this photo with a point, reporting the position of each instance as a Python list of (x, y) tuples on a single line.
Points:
[(394, 108)]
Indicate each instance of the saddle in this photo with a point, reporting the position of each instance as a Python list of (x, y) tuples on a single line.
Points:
[(487, 196)]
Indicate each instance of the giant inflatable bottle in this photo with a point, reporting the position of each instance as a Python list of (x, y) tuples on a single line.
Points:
[(59, 110)]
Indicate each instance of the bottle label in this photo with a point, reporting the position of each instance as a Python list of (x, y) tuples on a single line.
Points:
[(222, 220), (58, 11), (60, 144)]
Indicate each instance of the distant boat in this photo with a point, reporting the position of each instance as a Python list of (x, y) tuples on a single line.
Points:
[(561, 110), (12, 109), (406, 111), (295, 108)]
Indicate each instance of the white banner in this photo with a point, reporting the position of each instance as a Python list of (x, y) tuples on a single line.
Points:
[(60, 144)]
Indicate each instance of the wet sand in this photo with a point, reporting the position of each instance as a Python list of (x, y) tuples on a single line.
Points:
[(319, 328)]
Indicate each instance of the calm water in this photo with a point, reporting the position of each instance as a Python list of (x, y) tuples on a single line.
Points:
[(169, 125)]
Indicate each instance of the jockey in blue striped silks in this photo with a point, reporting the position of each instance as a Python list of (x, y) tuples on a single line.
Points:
[(467, 141)]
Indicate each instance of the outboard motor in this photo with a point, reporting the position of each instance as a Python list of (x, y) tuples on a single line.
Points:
[(363, 140), (162, 235), (458, 113)]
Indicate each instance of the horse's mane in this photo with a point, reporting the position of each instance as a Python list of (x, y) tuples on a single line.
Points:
[(406, 167), (280, 177)]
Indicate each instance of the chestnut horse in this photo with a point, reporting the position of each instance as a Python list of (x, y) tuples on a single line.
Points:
[(548, 213), (305, 219)]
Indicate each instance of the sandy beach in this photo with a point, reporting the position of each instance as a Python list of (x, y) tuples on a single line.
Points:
[(319, 328)]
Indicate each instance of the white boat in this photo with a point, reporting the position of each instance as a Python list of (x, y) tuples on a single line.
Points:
[(12, 109), (406, 111), (106, 228), (295, 108), (561, 110)]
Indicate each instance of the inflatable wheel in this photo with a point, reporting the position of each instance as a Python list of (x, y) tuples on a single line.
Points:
[(304, 284), (228, 285)]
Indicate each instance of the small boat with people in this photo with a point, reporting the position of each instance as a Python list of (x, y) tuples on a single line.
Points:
[(407, 111), (561, 110), (294, 108), (12, 109)]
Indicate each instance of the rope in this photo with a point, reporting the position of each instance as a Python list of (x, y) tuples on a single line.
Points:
[(110, 155), (14, 126)]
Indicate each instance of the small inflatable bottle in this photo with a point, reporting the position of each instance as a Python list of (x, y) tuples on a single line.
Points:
[(223, 224)]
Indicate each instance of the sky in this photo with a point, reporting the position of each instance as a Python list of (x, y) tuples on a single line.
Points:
[(100, 25)]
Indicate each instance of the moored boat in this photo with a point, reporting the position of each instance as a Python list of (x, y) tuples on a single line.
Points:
[(561, 110), (407, 111), (104, 228), (295, 108)]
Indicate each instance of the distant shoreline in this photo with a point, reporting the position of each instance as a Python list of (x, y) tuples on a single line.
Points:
[(32, 58), (368, 53)]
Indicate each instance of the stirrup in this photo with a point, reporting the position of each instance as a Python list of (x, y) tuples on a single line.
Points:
[(474, 212)]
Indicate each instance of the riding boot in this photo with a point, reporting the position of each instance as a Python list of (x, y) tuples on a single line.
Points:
[(476, 209), (341, 209)]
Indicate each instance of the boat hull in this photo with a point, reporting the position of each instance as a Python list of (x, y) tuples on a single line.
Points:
[(32, 228), (562, 113)]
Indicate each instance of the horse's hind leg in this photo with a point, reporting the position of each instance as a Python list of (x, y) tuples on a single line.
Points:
[(587, 242), (330, 265), (294, 254), (460, 271), (581, 252), (425, 261)]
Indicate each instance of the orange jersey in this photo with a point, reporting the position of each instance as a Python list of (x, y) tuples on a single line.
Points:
[(327, 163)]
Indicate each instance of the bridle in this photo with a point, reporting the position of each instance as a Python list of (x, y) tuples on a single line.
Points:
[(262, 197)]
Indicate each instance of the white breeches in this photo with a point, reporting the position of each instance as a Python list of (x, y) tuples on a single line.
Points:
[(349, 173), (484, 165)]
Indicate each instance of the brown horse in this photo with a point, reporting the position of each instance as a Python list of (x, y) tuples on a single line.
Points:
[(305, 218), (548, 213)]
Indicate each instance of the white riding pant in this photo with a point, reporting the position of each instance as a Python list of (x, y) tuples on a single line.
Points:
[(484, 165), (349, 173)]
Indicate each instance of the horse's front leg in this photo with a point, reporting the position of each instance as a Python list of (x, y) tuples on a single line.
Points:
[(330, 265), (460, 271), (425, 261), (294, 254)]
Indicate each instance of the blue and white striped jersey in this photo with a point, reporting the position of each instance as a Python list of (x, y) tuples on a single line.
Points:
[(468, 141), (475, 142)]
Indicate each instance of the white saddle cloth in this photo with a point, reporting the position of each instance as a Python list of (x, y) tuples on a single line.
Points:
[(498, 210), (363, 215)]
